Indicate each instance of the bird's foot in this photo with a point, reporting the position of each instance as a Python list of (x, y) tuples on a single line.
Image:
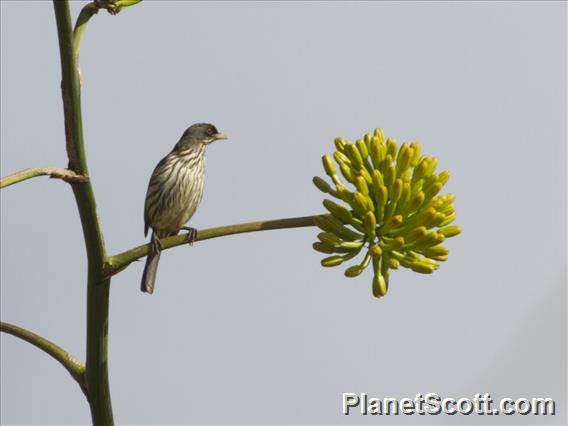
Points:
[(191, 234), (156, 244)]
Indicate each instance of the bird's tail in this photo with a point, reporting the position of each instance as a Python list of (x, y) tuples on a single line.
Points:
[(150, 270)]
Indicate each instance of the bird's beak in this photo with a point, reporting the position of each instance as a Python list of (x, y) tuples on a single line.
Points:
[(219, 136)]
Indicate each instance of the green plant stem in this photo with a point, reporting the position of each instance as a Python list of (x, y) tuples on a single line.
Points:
[(87, 13), (74, 367), (98, 285), (53, 172), (120, 261)]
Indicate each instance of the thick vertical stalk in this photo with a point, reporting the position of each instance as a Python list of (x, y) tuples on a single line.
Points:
[(98, 287)]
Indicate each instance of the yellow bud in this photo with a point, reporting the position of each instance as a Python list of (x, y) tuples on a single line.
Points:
[(432, 190), (443, 177), (405, 192), (448, 198), (436, 203), (379, 193), (420, 169), (417, 148), (332, 261), (362, 147), (383, 195), (361, 185), (450, 231), (321, 184), (448, 210), (388, 244), (344, 193), (428, 240), (341, 158), (352, 244), (415, 234), (340, 144), (375, 251), (379, 285), (422, 267), (368, 139), (377, 179), (365, 173), (370, 223), (357, 224), (449, 219), (396, 190), (377, 152), (329, 166), (391, 147), (347, 172), (436, 252), (431, 166), (361, 203), (393, 222), (332, 224), (338, 211), (437, 220), (425, 216), (392, 263), (398, 243), (323, 248), (440, 257), (343, 214), (403, 159), (379, 135), (354, 155), (329, 238), (353, 271), (121, 4), (390, 171), (323, 224)]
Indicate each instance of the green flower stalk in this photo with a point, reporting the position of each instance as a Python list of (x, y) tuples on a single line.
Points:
[(114, 6), (393, 213)]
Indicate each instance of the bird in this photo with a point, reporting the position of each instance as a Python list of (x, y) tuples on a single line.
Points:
[(174, 192)]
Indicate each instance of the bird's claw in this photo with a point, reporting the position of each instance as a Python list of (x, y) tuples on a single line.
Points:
[(191, 234), (156, 244)]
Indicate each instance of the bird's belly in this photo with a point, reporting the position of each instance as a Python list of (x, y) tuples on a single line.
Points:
[(178, 206), (176, 215)]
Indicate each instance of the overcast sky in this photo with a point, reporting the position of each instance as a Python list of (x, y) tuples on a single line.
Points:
[(250, 329)]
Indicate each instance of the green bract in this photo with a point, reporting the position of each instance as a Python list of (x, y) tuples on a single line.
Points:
[(392, 213)]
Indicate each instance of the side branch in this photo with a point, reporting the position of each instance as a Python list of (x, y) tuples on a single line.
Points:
[(87, 13), (74, 367), (116, 263), (53, 172)]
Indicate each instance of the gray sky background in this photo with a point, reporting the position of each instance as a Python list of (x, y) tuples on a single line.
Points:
[(250, 329)]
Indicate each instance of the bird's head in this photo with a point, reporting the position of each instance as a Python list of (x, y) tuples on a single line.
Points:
[(200, 134)]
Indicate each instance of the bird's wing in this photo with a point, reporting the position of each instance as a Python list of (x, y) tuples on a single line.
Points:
[(157, 171)]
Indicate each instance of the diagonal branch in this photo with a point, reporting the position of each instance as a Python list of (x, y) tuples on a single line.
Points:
[(53, 172), (74, 367), (116, 263)]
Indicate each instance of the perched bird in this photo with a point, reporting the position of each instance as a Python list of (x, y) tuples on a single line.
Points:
[(174, 192)]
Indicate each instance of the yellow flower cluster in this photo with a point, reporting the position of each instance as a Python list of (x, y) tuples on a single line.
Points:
[(393, 212)]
